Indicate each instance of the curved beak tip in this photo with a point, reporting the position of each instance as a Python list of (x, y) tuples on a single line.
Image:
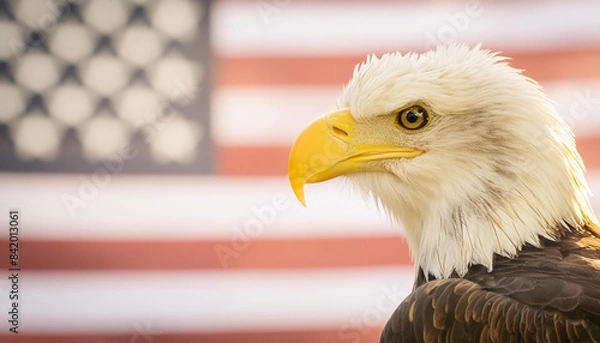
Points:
[(298, 188), (301, 199)]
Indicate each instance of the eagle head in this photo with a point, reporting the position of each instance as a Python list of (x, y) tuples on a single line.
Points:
[(466, 152)]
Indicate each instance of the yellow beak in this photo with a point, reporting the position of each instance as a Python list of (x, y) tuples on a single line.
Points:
[(326, 149)]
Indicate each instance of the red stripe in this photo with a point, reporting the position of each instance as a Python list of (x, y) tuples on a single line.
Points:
[(589, 148), (542, 66), (358, 334), (272, 160), (248, 160), (252, 254)]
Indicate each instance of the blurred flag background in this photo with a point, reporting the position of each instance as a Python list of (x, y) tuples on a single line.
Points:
[(145, 144)]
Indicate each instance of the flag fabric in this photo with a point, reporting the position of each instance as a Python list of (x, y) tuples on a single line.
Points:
[(92, 85), (144, 147)]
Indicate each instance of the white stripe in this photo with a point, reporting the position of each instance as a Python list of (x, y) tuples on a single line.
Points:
[(176, 207), (299, 28), (151, 207), (275, 115), (164, 302), (268, 115), (593, 178), (578, 102)]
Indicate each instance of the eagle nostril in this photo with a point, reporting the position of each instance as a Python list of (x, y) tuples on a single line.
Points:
[(340, 132)]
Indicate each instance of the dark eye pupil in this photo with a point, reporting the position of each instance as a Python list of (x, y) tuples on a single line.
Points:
[(412, 117)]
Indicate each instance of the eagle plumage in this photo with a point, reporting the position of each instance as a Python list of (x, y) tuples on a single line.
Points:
[(471, 158), (545, 294)]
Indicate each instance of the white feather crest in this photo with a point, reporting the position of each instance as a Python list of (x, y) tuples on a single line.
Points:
[(500, 169)]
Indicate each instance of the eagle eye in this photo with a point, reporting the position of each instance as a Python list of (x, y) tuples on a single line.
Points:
[(413, 118)]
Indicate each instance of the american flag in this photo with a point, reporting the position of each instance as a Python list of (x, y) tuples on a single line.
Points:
[(145, 144)]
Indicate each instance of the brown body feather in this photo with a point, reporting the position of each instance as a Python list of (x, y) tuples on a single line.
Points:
[(548, 294)]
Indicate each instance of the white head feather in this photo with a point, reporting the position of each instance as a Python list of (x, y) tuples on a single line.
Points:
[(500, 167)]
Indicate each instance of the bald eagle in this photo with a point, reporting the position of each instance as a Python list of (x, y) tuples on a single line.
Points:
[(472, 159)]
